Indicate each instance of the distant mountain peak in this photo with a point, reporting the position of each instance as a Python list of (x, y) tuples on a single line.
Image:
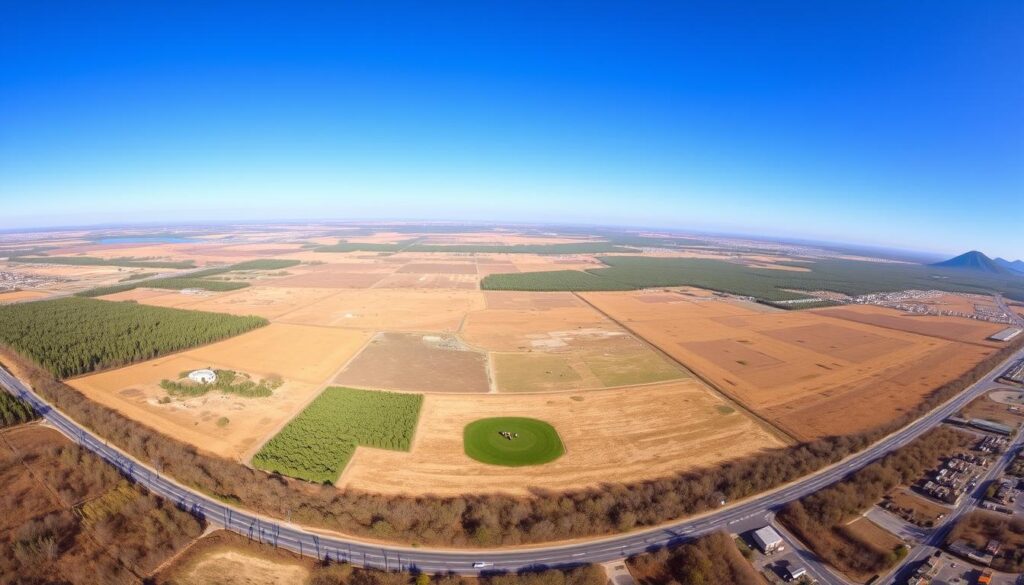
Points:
[(975, 261), (1015, 265)]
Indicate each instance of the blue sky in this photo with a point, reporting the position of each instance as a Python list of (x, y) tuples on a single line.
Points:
[(891, 123)]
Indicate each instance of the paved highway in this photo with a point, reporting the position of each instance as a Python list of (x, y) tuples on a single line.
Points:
[(362, 553)]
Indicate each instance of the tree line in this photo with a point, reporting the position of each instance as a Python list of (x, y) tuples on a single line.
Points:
[(73, 336), (707, 560), (475, 520), (14, 411)]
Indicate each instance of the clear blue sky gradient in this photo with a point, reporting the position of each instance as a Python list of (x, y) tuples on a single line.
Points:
[(890, 123)]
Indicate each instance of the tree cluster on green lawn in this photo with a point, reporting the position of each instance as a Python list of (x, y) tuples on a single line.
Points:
[(317, 444), (73, 336), (228, 382), (14, 411)]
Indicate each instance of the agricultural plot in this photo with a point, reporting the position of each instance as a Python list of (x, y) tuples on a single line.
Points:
[(20, 295), (418, 363), (951, 328), (685, 427), (265, 301), (305, 358), (390, 310), (512, 441), (560, 343), (317, 444), (810, 374), (127, 262), (74, 336), (430, 281)]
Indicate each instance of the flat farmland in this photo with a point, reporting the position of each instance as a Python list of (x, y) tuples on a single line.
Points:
[(438, 268), (391, 310), (810, 374), (266, 301), (951, 328), (554, 341), (21, 295), (528, 329), (430, 281), (530, 300), (419, 363), (588, 361), (685, 426), (305, 357)]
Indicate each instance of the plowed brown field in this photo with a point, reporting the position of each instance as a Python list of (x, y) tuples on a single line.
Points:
[(810, 373)]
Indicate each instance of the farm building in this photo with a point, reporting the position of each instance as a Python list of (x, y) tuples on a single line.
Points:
[(1006, 334), (203, 376), (767, 539)]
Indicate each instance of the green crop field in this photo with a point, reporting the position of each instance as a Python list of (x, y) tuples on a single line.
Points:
[(74, 336), (91, 261), (317, 444), (845, 276), (528, 441)]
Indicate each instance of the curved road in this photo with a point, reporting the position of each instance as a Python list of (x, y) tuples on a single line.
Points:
[(336, 547)]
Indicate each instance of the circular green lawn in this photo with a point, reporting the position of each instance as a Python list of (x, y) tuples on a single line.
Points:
[(534, 441)]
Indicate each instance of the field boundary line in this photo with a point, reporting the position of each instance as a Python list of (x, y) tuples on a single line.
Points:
[(776, 430), (252, 451)]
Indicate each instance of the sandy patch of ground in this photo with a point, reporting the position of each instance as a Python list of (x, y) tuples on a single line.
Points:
[(239, 568), (810, 374), (135, 392), (224, 558), (951, 328), (327, 276), (391, 309), (531, 300), (417, 363), (685, 426), (295, 352), (21, 295), (488, 268)]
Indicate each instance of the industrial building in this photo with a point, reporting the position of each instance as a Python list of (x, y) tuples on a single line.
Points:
[(768, 540), (1006, 334)]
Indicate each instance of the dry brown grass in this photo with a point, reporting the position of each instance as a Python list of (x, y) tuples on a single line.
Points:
[(305, 357), (416, 363), (391, 310), (951, 328), (21, 295), (616, 435), (811, 374)]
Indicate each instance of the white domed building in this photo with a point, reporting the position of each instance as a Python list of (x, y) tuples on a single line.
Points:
[(203, 376)]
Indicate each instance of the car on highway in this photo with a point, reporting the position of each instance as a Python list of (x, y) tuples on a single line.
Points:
[(482, 565)]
